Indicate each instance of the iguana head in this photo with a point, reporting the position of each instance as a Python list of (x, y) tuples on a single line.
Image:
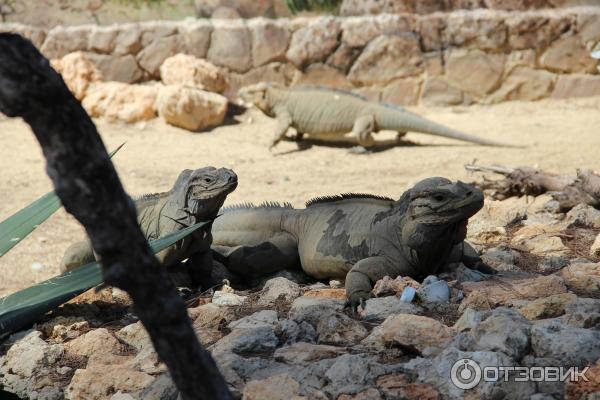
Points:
[(201, 193), (437, 206), (256, 95)]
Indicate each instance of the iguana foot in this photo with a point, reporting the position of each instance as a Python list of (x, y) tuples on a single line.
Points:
[(357, 299), (359, 150)]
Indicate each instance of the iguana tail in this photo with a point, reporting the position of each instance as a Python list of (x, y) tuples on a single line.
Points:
[(404, 121)]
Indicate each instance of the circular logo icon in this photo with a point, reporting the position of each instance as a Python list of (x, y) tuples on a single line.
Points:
[(465, 374)]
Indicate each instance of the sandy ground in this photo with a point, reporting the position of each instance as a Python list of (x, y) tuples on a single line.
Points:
[(559, 136)]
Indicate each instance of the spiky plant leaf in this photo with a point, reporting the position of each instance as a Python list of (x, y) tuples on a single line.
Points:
[(16, 227), (23, 308)]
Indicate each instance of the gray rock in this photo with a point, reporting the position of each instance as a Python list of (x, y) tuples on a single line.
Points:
[(498, 255), (554, 389), (230, 45), (314, 42), (437, 371), (382, 307), (351, 373), (301, 352), (583, 215), (279, 288), (339, 330), (434, 292), (553, 264), (247, 340), (584, 313), (311, 309), (162, 388), (469, 319), (506, 331), (429, 280), (263, 318), (290, 332), (464, 274), (572, 346)]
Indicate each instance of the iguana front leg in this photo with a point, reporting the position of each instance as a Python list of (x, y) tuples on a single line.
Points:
[(362, 276), (284, 121), (465, 253), (362, 131)]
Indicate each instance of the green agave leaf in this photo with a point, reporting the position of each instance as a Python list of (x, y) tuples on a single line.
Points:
[(16, 227), (23, 308)]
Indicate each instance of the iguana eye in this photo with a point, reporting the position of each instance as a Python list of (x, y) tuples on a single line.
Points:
[(438, 197), (207, 179)]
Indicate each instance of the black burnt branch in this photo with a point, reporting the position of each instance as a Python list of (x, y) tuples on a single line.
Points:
[(89, 188)]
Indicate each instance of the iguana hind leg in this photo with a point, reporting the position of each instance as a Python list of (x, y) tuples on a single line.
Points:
[(363, 132), (284, 121), (77, 255), (278, 253)]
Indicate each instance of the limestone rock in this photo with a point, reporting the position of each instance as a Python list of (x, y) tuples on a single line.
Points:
[(476, 300), (524, 83), (266, 318), (247, 340), (314, 42), (583, 278), (327, 293), (576, 85), (120, 68), (195, 37), (508, 288), (322, 75), (270, 41), (301, 352), (230, 45), (62, 40), (339, 330), (78, 72), (469, 319), (572, 346), (118, 101), (129, 39), (403, 92), (479, 29), (357, 32), (135, 335), (222, 298), (583, 215), (291, 332), (191, 108), (474, 71), (351, 373), (277, 387), (279, 288), (438, 92), (383, 307), (397, 386), (386, 58), (569, 55), (310, 309), (154, 54), (548, 307), (92, 342), (529, 31), (388, 286), (411, 331), (183, 69)]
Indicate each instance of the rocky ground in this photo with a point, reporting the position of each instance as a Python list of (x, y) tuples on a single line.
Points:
[(292, 339)]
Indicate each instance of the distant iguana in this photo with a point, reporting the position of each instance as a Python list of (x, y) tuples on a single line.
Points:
[(196, 196), (358, 237), (329, 114)]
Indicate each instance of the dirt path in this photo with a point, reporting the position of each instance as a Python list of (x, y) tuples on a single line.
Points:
[(559, 136)]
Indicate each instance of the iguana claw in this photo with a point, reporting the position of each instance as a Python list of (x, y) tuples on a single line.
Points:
[(355, 300)]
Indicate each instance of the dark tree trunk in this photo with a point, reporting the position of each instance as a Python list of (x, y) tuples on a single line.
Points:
[(89, 188)]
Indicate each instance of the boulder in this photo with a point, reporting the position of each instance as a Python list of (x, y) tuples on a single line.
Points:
[(404, 92), (119, 101), (78, 72), (278, 288), (381, 308), (475, 71), (183, 69), (386, 58), (62, 40), (576, 85), (230, 45), (571, 345), (190, 108), (261, 339), (524, 83), (262, 318), (569, 55), (93, 342), (120, 68), (322, 75), (582, 278), (311, 309), (270, 40), (313, 42), (301, 352), (154, 54), (508, 288), (195, 37), (339, 330), (437, 91), (409, 331)]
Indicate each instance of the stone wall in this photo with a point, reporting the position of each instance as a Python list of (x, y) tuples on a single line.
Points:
[(453, 58)]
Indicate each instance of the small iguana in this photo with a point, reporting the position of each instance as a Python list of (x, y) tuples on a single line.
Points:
[(330, 114), (358, 237), (196, 196)]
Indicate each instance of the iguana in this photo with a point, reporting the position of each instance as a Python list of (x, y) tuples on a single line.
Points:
[(358, 237), (330, 114), (196, 196)]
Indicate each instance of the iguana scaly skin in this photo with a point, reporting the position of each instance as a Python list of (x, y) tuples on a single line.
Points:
[(330, 114), (196, 196), (361, 238)]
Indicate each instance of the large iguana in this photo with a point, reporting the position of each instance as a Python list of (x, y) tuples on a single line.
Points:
[(358, 237), (196, 196), (330, 114)]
